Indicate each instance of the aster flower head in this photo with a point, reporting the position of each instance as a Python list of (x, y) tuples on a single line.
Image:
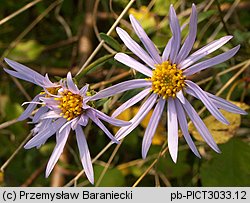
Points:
[(70, 109), (167, 82), (23, 72), (64, 108)]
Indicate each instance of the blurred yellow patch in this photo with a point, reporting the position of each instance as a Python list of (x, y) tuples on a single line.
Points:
[(144, 16), (160, 134), (221, 132), (1, 177)]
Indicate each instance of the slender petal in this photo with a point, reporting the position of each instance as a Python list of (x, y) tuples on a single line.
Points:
[(42, 110), (121, 87), (83, 121), (184, 127), (135, 48), (132, 63), (50, 114), (71, 85), (172, 130), (207, 102), (112, 121), (211, 62), (31, 75), (84, 89), (145, 108), (200, 126), (226, 105), (152, 125), (221, 103), (84, 154), (204, 51), (60, 143), (176, 30), (28, 111), (180, 96), (95, 119), (148, 44), (41, 137), (131, 102), (20, 75), (167, 49), (189, 42)]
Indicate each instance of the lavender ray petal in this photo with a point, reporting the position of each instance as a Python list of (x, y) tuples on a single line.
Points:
[(132, 63), (211, 62), (83, 121), (29, 109), (189, 42), (176, 30), (71, 85), (60, 143), (42, 110), (168, 47), (135, 48), (41, 137), (131, 102), (143, 111), (220, 103), (95, 119), (200, 126), (204, 51), (84, 154), (20, 76), (152, 125), (84, 89), (180, 96), (226, 105), (108, 119), (167, 50), (148, 44), (184, 127), (172, 130), (24, 70), (207, 102), (50, 114), (121, 87)]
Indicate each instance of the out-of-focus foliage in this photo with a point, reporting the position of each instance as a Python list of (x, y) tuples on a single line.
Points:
[(63, 38)]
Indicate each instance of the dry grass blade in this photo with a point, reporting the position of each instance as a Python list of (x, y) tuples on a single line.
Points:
[(27, 6)]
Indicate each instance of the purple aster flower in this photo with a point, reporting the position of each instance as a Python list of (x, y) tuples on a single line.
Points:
[(167, 82), (32, 76), (64, 107), (70, 109)]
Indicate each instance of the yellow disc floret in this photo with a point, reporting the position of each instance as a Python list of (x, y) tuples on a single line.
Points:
[(70, 104), (167, 80)]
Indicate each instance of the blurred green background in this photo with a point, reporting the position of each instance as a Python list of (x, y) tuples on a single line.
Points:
[(55, 37)]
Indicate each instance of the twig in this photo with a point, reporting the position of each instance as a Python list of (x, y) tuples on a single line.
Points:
[(30, 27), (33, 176), (108, 33), (74, 180), (108, 164), (27, 6), (8, 123), (6, 163)]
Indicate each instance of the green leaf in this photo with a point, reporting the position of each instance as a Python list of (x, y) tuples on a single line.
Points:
[(205, 15), (113, 177), (111, 41), (26, 51), (171, 169), (230, 168), (94, 65)]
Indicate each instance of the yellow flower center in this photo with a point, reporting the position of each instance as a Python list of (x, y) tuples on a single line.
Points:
[(167, 80), (70, 104)]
